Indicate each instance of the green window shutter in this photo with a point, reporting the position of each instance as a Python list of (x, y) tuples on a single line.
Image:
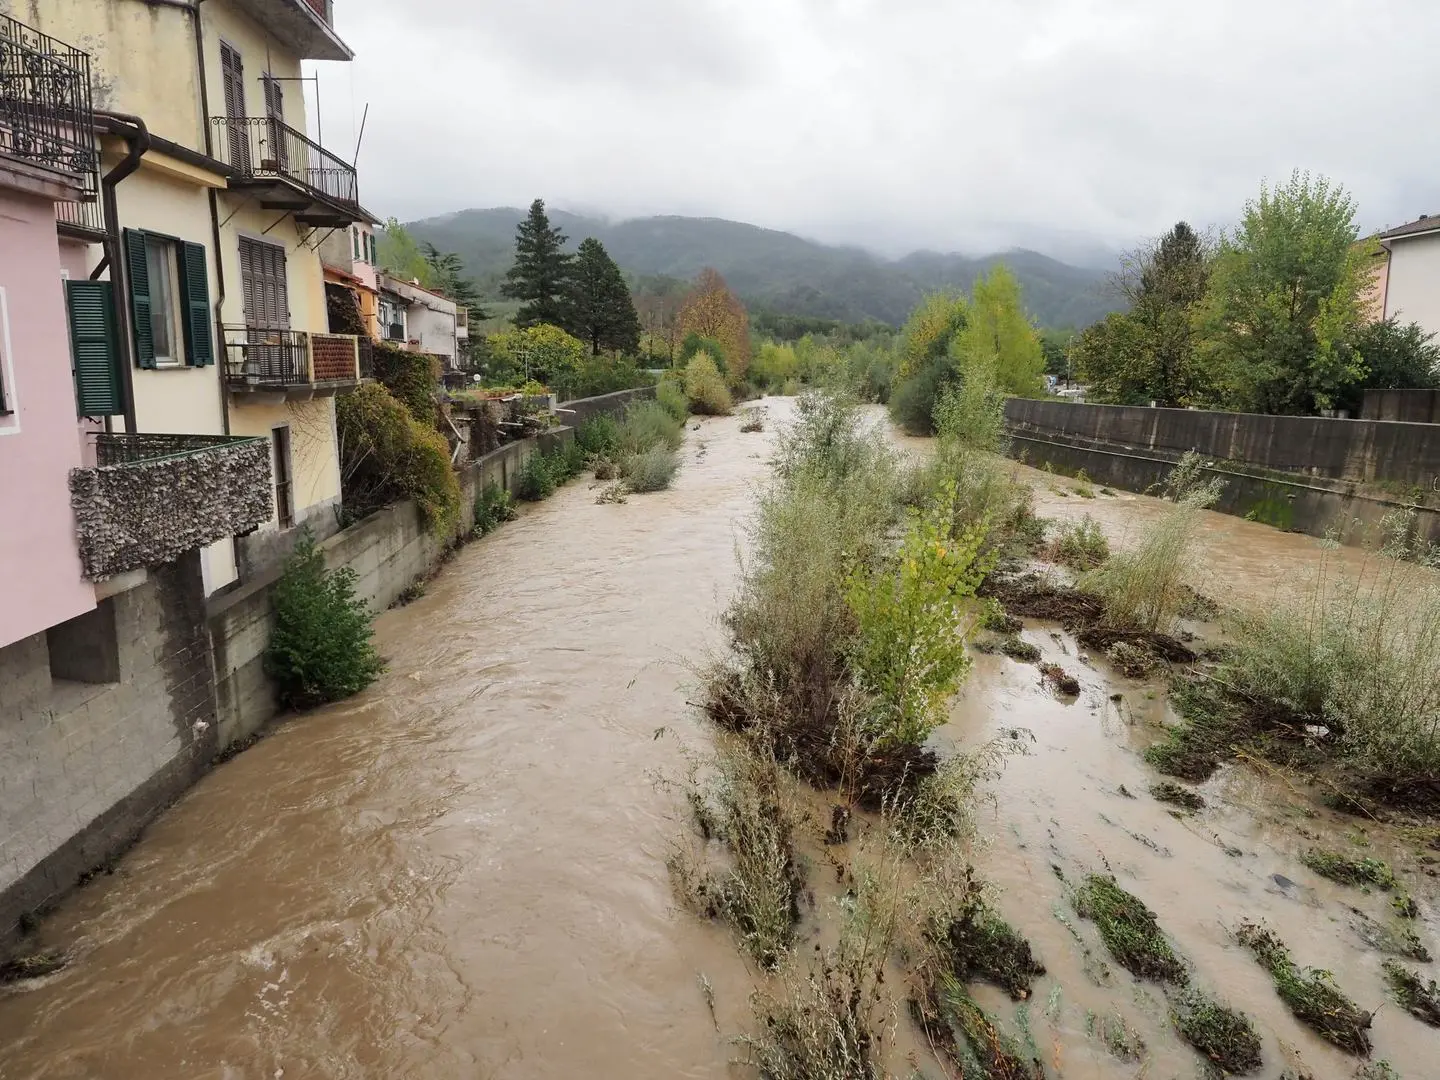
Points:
[(139, 273), (354, 242), (195, 287), (95, 348)]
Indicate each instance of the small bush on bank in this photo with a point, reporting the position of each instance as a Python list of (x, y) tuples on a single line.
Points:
[(648, 424), (600, 435), (705, 387), (544, 471), (493, 507), (321, 648), (650, 470), (670, 394), (1080, 545)]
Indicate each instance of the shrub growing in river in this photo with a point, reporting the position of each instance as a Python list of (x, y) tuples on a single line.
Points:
[(650, 470), (647, 424), (670, 394), (321, 646), (1079, 545), (599, 436), (493, 507), (705, 387)]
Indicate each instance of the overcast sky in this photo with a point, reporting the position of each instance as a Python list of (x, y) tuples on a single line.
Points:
[(968, 125)]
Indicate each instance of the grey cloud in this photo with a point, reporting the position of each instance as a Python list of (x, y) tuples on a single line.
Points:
[(1059, 124)]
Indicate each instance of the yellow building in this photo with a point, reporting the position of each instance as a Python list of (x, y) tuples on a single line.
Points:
[(215, 237)]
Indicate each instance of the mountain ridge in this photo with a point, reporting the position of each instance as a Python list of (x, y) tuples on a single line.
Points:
[(775, 270)]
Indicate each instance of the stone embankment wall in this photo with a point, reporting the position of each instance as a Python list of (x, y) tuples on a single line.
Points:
[(1305, 474), (107, 719)]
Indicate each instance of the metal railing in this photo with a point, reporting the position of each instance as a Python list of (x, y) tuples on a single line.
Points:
[(120, 449), (258, 358), (46, 116), (262, 147)]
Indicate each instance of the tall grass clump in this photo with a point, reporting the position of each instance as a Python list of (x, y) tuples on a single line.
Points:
[(1144, 588), (650, 470), (1357, 653), (1080, 545), (705, 387), (321, 648), (647, 424), (600, 435)]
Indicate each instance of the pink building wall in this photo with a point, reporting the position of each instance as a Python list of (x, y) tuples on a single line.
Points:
[(40, 582)]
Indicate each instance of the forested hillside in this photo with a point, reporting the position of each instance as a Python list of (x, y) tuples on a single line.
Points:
[(777, 271)]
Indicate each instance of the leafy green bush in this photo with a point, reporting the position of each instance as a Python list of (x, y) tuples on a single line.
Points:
[(602, 374), (650, 470), (705, 387), (670, 395), (647, 424), (598, 435), (493, 507), (913, 397), (544, 471), (321, 646), (412, 378), (909, 648), (386, 455), (1080, 545)]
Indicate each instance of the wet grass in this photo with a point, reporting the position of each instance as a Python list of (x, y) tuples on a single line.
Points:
[(982, 945), (1079, 545), (1396, 939), (1120, 1038), (1348, 871), (1225, 1036), (1310, 993), (951, 1019), (1019, 649), (1206, 735), (1167, 792), (1420, 999), (1059, 680), (816, 1028), (1130, 930), (997, 620), (746, 807)]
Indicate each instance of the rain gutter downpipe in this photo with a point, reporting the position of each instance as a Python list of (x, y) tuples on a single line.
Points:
[(208, 130), (137, 139)]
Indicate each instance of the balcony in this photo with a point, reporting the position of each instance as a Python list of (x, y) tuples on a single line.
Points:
[(47, 134), (148, 499), (288, 171), (290, 364), (305, 27)]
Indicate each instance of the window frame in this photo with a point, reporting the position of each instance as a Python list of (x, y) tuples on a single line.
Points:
[(175, 327), (9, 406), (283, 461)]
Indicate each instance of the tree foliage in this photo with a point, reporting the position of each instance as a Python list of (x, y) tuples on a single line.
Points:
[(711, 310), (413, 379), (541, 272), (1395, 356), (543, 353), (929, 330), (1283, 305), (400, 255), (999, 336), (601, 311), (386, 455), (448, 275)]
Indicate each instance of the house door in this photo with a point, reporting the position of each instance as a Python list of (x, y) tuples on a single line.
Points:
[(270, 351), (276, 148), (232, 76)]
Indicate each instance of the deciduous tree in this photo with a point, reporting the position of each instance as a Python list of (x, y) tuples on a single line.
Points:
[(601, 311), (540, 276), (999, 335), (399, 255), (711, 310)]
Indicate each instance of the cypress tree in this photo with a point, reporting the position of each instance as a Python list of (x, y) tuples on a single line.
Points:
[(601, 311), (540, 276)]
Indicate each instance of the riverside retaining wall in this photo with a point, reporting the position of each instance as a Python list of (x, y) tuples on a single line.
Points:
[(1305, 474)]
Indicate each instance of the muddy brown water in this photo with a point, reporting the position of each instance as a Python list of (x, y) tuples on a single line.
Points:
[(460, 872)]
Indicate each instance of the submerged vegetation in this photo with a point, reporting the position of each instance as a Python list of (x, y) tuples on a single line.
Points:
[(1412, 994), (1310, 993), (1130, 930), (1349, 871)]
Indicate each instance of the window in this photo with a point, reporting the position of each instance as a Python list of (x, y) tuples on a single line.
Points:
[(169, 300), (284, 500), (265, 286), (392, 318), (7, 407), (354, 242), (160, 264)]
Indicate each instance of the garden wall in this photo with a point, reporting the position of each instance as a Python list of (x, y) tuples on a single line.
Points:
[(1305, 474)]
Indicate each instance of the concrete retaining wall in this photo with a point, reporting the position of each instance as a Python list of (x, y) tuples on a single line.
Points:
[(1305, 474), (575, 413), (1408, 406)]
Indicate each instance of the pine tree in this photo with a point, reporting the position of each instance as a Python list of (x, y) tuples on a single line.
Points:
[(601, 311), (540, 276), (450, 280)]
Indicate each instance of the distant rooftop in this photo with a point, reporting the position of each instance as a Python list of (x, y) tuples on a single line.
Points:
[(1425, 223)]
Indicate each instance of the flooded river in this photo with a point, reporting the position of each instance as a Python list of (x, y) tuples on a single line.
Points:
[(461, 872)]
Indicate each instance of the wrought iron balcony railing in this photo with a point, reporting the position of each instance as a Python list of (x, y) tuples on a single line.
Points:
[(261, 359), (262, 148), (46, 116)]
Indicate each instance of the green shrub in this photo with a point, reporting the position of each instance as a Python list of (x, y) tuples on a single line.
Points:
[(386, 455), (913, 397), (598, 375), (650, 470), (321, 646), (909, 648), (705, 387), (412, 378), (1080, 545), (647, 424), (537, 478), (493, 507), (598, 435), (670, 394)]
